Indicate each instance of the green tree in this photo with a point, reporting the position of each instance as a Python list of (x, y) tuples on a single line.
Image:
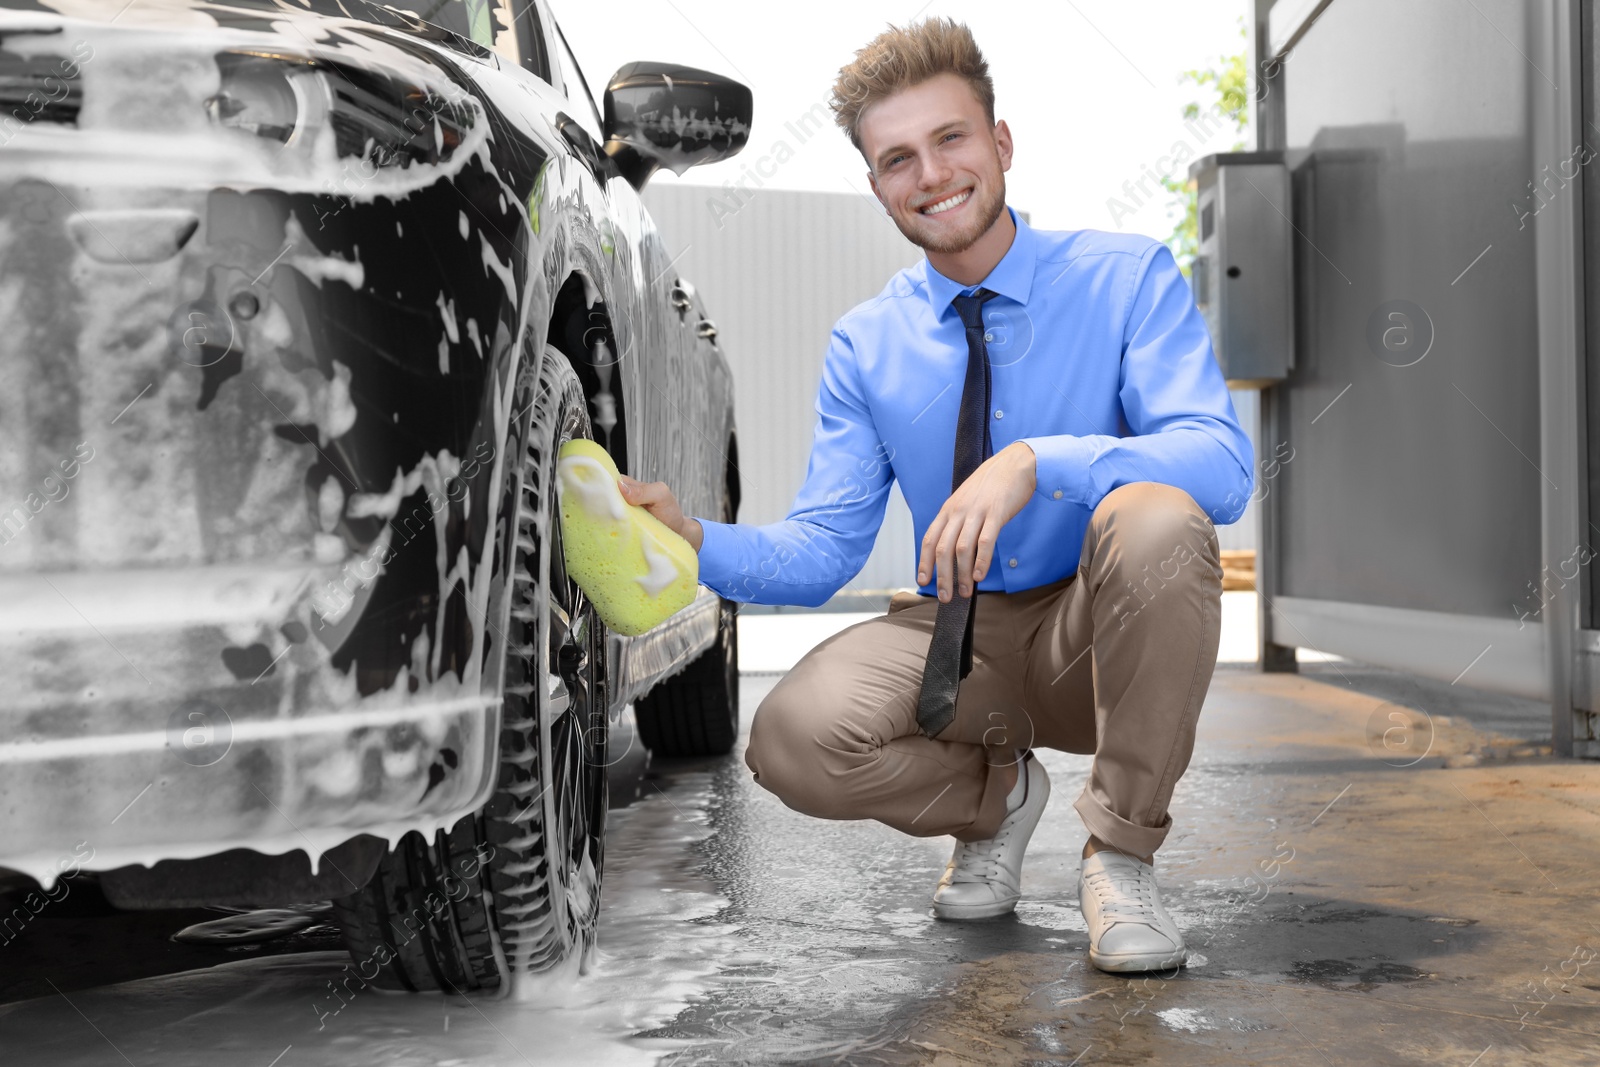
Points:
[(1230, 87)]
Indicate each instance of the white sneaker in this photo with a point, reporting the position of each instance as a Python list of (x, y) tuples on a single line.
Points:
[(984, 878), (1129, 930)]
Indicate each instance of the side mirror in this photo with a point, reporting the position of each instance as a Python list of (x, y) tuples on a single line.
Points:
[(661, 115)]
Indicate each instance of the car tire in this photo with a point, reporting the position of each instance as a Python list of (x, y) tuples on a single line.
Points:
[(514, 887), (696, 712)]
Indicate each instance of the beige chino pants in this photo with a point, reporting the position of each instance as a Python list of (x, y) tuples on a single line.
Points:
[(1114, 660)]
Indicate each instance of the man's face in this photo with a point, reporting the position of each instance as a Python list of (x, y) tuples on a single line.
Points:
[(936, 163)]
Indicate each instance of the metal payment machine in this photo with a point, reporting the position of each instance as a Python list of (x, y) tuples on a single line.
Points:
[(1243, 275)]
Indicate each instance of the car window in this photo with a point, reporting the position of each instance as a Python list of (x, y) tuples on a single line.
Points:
[(528, 37), (577, 89), (473, 19), (505, 42), (510, 28)]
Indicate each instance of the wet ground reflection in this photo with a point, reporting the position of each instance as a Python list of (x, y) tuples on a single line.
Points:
[(659, 948)]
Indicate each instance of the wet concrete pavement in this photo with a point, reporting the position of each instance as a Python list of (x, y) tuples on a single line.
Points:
[(1369, 868)]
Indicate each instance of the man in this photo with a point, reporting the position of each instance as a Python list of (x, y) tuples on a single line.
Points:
[(993, 380)]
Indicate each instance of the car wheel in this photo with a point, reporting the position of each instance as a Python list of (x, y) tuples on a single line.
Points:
[(696, 712), (514, 887)]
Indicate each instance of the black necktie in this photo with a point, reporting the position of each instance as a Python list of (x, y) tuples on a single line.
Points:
[(950, 654)]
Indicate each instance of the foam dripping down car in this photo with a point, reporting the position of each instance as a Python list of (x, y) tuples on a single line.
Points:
[(298, 303)]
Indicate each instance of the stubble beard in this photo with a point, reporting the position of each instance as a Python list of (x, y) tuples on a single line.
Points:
[(987, 210)]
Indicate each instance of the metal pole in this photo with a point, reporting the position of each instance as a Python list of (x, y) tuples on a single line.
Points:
[(1269, 119), (1555, 89)]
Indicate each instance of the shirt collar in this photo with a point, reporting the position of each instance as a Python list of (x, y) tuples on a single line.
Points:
[(1012, 277)]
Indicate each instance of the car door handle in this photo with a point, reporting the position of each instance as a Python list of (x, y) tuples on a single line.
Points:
[(580, 140), (682, 296), (707, 330)]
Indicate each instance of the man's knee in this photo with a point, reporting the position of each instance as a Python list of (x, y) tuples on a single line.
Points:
[(1153, 501), (1157, 526), (780, 747), (789, 755)]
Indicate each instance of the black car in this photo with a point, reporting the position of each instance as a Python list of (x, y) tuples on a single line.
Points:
[(298, 299)]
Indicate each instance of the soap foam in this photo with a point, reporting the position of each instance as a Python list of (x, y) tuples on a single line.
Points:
[(660, 950)]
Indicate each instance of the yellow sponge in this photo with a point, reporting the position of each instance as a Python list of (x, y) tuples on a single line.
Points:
[(635, 570)]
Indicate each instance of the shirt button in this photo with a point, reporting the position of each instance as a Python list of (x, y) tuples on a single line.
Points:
[(1012, 561), (1056, 495), (999, 414)]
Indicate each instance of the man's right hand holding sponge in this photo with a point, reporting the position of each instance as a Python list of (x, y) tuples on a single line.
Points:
[(658, 500), (637, 570)]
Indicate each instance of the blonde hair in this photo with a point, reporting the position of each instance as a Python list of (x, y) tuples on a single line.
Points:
[(901, 57)]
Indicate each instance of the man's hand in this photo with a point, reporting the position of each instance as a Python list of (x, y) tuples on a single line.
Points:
[(960, 540), (658, 500)]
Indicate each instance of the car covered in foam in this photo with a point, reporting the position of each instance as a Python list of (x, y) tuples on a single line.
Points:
[(298, 301)]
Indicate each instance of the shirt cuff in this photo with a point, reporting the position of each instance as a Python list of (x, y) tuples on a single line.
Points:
[(719, 552), (1061, 469)]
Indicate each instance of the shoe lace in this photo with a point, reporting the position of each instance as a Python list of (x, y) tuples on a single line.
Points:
[(979, 861), (1125, 895)]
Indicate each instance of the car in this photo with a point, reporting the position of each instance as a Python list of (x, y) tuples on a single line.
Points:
[(298, 302)]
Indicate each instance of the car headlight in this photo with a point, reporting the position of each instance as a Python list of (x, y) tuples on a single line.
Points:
[(375, 117)]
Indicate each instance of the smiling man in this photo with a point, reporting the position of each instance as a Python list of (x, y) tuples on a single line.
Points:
[(1051, 407)]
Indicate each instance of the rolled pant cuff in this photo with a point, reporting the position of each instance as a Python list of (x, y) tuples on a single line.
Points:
[(1118, 832)]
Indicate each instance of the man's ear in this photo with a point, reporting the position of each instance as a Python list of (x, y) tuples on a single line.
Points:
[(1002, 142), (872, 181)]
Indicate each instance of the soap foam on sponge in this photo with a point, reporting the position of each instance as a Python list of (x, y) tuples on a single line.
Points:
[(635, 570)]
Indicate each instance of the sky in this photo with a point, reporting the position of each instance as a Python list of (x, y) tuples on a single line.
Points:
[(1089, 88)]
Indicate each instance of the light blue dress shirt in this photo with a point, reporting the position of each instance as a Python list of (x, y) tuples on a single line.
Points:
[(1099, 360)]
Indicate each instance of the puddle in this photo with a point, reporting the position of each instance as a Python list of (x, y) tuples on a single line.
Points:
[(660, 949), (1358, 974), (251, 927), (1345, 915)]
